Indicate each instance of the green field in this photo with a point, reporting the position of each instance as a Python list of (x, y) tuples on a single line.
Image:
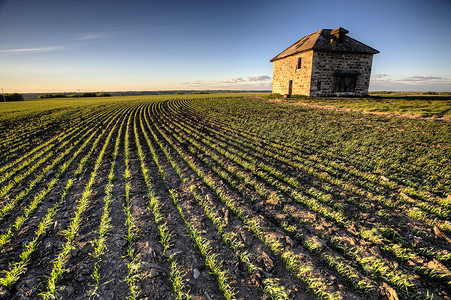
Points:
[(225, 196), (407, 104)]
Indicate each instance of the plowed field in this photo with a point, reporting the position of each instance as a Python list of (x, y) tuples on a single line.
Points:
[(221, 197)]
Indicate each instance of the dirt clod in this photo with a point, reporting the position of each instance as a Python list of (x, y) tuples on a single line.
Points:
[(242, 236), (411, 200), (226, 216), (434, 264), (153, 273), (388, 292), (267, 262), (440, 234), (289, 241)]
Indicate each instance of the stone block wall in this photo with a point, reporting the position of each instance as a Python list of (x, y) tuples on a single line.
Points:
[(285, 70), (323, 68), (320, 66)]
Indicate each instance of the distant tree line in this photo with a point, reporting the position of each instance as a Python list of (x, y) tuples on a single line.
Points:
[(12, 97), (45, 96)]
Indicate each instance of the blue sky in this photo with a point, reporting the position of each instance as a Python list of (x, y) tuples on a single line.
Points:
[(57, 46)]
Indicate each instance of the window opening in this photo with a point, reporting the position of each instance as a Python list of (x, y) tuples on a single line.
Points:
[(298, 66)]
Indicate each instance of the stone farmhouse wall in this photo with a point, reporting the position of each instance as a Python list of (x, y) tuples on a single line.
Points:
[(320, 66), (323, 68), (285, 70)]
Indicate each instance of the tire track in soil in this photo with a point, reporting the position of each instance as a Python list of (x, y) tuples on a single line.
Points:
[(80, 263)]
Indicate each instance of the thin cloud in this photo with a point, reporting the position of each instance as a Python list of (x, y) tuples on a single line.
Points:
[(259, 78), (237, 83), (379, 76), (196, 82), (246, 85), (411, 83), (85, 37), (234, 80), (91, 36), (421, 78), (261, 82), (410, 80), (32, 50)]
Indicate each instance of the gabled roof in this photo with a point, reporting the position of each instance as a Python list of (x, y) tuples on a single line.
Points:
[(327, 40)]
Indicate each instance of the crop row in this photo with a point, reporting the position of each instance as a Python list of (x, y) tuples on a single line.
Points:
[(396, 249), (383, 151), (271, 285), (24, 134), (197, 197), (18, 268)]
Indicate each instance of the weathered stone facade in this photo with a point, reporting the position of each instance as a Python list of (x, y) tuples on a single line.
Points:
[(324, 63), (286, 69), (324, 66)]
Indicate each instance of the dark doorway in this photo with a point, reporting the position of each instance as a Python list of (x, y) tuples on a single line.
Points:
[(290, 87), (345, 80), (345, 83)]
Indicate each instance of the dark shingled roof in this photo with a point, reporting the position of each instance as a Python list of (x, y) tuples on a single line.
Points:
[(327, 40)]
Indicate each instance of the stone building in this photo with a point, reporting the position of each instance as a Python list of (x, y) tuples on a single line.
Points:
[(324, 63)]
